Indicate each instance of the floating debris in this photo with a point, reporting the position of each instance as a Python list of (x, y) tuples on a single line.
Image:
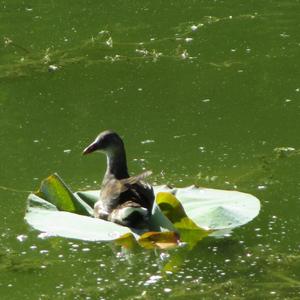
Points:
[(117, 57), (284, 35), (7, 41), (284, 151), (55, 58), (102, 32), (142, 51), (202, 149), (109, 42), (22, 237), (52, 68), (44, 235), (261, 187), (153, 279), (184, 54), (147, 141)]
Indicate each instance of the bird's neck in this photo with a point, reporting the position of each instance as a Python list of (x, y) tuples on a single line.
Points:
[(116, 164)]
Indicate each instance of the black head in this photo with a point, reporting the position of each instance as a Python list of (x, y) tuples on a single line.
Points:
[(107, 141)]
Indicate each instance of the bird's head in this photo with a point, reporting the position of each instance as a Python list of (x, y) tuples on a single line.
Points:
[(107, 141)]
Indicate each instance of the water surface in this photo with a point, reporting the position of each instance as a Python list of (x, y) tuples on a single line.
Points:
[(202, 93)]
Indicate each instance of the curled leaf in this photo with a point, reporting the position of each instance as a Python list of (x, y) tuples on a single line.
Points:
[(54, 190), (174, 211), (160, 240), (127, 241)]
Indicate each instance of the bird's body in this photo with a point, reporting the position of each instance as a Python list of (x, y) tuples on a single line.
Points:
[(123, 199)]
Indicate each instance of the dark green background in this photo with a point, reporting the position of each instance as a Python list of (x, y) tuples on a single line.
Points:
[(213, 119)]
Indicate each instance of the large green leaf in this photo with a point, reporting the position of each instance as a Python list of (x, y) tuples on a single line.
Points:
[(218, 209), (54, 190), (54, 209), (89, 197), (45, 217), (189, 232)]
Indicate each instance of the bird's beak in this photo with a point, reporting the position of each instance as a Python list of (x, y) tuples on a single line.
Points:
[(89, 149)]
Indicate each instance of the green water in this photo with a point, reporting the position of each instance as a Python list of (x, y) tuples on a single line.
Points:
[(202, 93)]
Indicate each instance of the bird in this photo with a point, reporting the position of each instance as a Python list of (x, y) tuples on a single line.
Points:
[(124, 200)]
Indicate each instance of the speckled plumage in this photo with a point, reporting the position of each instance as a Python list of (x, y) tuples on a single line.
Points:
[(123, 199)]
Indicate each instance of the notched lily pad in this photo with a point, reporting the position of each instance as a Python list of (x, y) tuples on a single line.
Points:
[(218, 209), (187, 213)]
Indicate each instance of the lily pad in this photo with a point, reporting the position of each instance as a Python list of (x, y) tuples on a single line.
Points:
[(195, 213), (55, 191), (218, 209), (188, 230), (160, 240), (45, 217)]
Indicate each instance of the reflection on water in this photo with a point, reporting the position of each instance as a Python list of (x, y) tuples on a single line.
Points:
[(212, 101)]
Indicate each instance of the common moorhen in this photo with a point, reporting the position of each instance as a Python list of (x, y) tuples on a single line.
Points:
[(124, 200)]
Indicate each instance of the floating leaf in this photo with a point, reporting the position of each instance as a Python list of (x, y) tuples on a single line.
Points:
[(217, 209), (127, 241), (158, 221), (174, 211), (55, 210), (89, 197), (54, 190), (45, 217), (160, 240)]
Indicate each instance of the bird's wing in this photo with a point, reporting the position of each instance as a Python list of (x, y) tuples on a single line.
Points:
[(116, 192), (127, 182)]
